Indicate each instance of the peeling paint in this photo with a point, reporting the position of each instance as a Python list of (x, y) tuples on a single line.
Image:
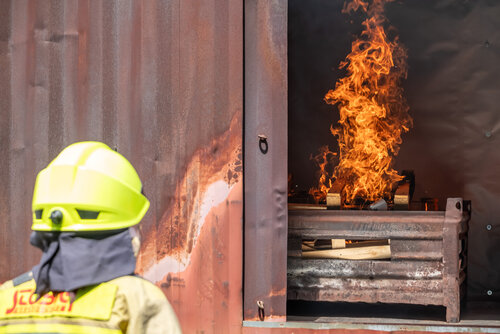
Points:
[(204, 185), (211, 282), (216, 193)]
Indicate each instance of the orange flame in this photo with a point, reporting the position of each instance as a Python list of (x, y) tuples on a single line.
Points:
[(324, 159), (373, 112)]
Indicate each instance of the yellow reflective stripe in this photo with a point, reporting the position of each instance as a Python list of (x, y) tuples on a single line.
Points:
[(91, 303), (55, 328)]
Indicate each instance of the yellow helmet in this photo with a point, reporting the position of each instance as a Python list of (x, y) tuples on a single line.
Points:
[(88, 187)]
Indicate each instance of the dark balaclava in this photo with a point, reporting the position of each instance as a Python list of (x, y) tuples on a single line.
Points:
[(72, 260)]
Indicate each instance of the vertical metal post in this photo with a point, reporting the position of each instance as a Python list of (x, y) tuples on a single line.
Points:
[(452, 219), (265, 162)]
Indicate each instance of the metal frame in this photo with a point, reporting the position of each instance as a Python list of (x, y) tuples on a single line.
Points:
[(424, 265)]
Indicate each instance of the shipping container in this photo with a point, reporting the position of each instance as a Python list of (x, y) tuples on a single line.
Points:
[(216, 103)]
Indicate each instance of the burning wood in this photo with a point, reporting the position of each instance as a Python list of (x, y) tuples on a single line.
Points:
[(373, 113), (403, 192), (334, 196)]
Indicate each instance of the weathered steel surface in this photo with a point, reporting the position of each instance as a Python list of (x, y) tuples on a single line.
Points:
[(364, 269), (367, 296), (160, 81), (364, 231), (294, 246), (451, 251), (348, 286), (405, 249), (265, 179), (426, 245), (366, 224), (363, 216)]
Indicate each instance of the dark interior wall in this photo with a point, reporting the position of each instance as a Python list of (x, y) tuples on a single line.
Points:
[(452, 90)]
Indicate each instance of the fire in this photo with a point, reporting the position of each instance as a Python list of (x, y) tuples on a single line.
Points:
[(325, 162), (373, 111)]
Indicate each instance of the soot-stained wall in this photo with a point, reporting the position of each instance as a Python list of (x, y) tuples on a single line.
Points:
[(452, 90)]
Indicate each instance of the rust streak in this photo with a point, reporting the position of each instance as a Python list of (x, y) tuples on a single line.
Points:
[(217, 165)]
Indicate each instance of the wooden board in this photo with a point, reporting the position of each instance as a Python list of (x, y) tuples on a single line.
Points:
[(354, 253), (300, 206), (338, 243)]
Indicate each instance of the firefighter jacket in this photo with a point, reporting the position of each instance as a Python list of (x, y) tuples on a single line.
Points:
[(127, 304)]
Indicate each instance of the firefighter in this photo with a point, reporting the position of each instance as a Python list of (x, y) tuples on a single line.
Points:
[(85, 205)]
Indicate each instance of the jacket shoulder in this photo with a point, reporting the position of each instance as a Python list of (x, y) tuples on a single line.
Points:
[(137, 283), (148, 307)]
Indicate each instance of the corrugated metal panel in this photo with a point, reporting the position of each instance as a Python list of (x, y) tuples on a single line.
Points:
[(162, 81)]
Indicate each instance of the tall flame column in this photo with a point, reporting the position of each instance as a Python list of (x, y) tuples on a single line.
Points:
[(373, 111)]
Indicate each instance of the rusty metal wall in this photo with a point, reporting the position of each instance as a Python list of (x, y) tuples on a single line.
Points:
[(162, 81), (266, 197)]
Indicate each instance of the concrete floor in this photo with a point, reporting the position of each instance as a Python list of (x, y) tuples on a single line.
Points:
[(475, 316)]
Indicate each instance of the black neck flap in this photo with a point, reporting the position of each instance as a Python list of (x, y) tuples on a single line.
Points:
[(72, 260)]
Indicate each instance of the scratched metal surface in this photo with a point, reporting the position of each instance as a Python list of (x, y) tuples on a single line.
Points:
[(162, 81), (265, 168)]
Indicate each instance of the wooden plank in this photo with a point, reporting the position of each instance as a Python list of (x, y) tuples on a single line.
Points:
[(333, 197), (306, 247), (338, 243), (300, 206), (355, 253), (364, 269), (373, 285), (404, 249), (363, 243)]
